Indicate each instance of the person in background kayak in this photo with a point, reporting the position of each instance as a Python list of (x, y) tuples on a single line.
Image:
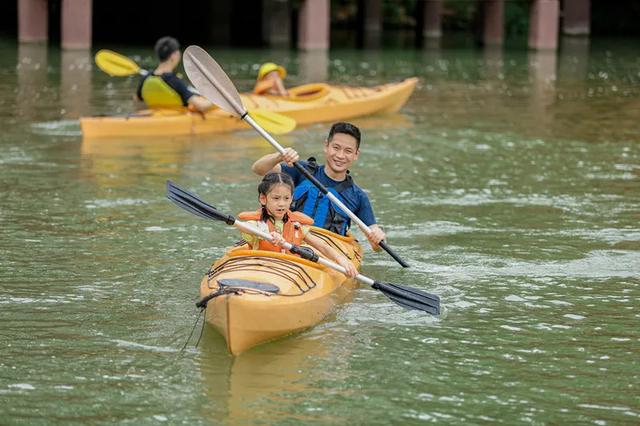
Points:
[(341, 149), (275, 193), (162, 88), (269, 80)]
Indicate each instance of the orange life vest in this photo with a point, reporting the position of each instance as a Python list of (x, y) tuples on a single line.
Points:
[(291, 230), (263, 86)]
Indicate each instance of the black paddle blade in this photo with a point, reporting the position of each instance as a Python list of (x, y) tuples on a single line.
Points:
[(183, 205), (195, 205), (410, 298)]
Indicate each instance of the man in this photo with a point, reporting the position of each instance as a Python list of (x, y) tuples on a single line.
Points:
[(341, 149), (162, 88)]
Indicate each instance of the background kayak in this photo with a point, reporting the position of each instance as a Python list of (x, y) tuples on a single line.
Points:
[(334, 103)]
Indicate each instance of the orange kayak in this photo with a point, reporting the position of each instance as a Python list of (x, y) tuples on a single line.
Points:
[(310, 103), (262, 295)]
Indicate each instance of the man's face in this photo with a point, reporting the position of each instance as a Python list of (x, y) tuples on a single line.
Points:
[(340, 152)]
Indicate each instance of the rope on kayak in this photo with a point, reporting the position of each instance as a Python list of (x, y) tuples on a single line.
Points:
[(202, 303), (192, 330), (287, 270)]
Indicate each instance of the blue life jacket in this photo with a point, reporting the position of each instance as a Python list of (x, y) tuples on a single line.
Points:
[(309, 200)]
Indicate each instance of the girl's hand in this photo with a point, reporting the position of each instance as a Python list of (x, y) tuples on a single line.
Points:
[(277, 239), (348, 265), (290, 156)]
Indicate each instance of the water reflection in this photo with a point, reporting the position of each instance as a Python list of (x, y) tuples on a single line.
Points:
[(75, 82), (271, 382), (574, 58), (32, 68), (114, 163), (542, 72), (314, 65), (493, 62)]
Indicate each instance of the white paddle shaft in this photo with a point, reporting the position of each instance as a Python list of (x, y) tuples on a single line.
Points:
[(243, 226)]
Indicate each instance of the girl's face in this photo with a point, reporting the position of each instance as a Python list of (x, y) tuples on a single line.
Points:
[(277, 201)]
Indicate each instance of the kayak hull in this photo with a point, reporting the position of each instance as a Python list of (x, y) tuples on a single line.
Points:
[(336, 103), (248, 315)]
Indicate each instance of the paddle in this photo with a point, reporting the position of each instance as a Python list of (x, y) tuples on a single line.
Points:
[(117, 65), (408, 297), (211, 80)]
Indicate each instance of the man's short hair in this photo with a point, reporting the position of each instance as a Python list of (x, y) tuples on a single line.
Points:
[(165, 47), (347, 129)]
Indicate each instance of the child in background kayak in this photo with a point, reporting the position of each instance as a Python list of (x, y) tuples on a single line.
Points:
[(275, 193), (269, 80)]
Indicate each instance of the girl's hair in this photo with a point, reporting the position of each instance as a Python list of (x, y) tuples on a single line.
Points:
[(272, 179), (268, 182)]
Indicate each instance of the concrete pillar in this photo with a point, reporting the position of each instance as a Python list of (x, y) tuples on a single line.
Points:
[(432, 19), (76, 24), (313, 25), (276, 28), (75, 82), (371, 22), (493, 25), (33, 20), (576, 16), (543, 25)]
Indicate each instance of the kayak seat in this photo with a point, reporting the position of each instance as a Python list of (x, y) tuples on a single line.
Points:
[(249, 284)]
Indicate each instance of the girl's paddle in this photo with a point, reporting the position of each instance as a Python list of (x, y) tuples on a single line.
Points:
[(117, 65), (402, 295), (209, 78)]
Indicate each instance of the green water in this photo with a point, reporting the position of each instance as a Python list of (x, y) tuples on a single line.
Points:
[(510, 182)]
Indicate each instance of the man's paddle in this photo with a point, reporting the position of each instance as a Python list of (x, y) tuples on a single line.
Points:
[(210, 79), (402, 295), (117, 65)]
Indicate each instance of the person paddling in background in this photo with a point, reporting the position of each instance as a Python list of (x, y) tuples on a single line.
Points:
[(341, 149), (162, 88), (269, 80), (275, 193)]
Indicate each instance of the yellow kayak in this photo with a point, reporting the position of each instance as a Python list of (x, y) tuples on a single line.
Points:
[(257, 296), (310, 103)]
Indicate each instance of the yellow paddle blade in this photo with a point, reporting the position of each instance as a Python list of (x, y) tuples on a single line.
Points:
[(115, 64), (273, 122)]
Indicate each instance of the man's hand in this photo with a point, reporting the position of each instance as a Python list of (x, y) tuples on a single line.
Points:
[(375, 237), (290, 156)]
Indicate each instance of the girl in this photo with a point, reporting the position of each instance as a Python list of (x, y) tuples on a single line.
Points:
[(275, 193)]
